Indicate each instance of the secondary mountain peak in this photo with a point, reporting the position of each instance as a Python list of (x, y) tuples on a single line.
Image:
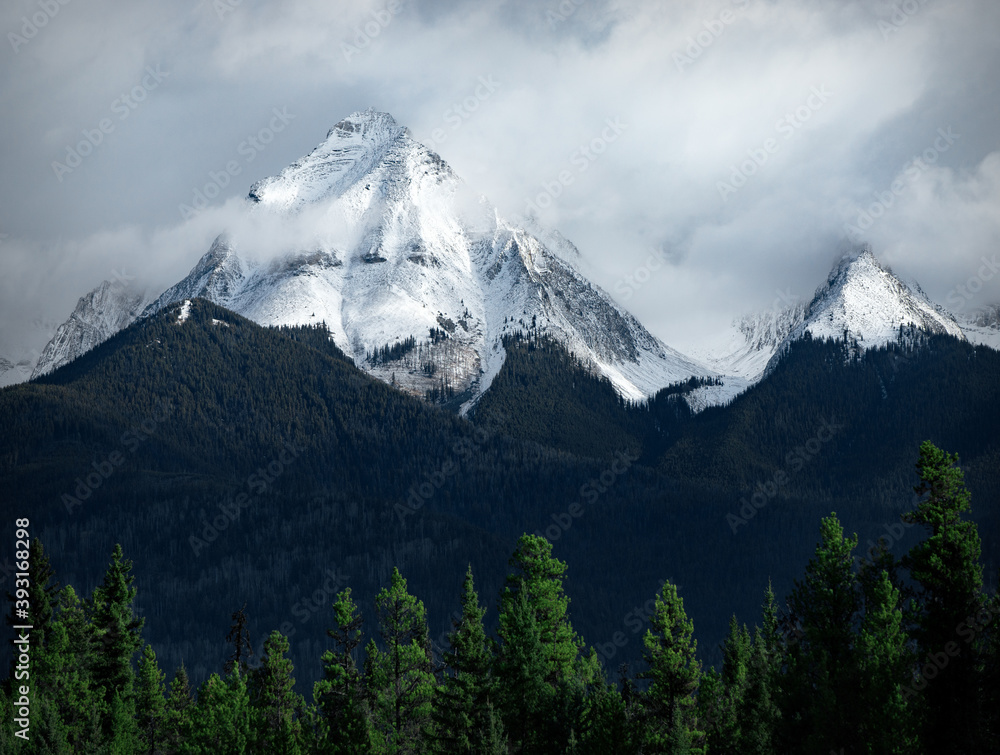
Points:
[(865, 300)]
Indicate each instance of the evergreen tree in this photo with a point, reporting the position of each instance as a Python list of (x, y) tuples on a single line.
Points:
[(606, 725), (178, 710), (462, 701), (673, 673), (219, 723), (239, 637), (821, 686), (345, 725), (888, 724), (524, 694), (117, 637), (946, 567), (401, 682), (278, 709), (67, 674), (150, 705), (122, 737), (540, 665), (42, 595), (758, 713)]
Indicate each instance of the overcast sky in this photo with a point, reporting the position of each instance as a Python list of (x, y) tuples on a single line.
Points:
[(716, 152)]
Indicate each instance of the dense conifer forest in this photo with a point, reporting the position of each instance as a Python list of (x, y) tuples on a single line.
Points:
[(243, 466), (868, 654)]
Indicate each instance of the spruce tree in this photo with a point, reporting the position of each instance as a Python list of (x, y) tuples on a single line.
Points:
[(219, 723), (526, 698), (277, 708), (888, 724), (400, 678), (540, 664), (821, 686), (150, 705), (345, 721), (946, 567), (117, 635), (462, 702), (674, 671), (758, 714), (177, 714)]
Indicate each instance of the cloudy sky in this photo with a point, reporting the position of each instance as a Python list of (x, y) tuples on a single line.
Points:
[(707, 158)]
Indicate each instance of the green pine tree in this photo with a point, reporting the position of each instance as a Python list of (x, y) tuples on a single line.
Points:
[(673, 672), (117, 630), (219, 723), (946, 567), (462, 702), (888, 722), (150, 705), (401, 682), (177, 715), (821, 686), (278, 709), (344, 724), (540, 663)]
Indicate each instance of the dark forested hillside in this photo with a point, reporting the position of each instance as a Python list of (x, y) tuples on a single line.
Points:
[(237, 464)]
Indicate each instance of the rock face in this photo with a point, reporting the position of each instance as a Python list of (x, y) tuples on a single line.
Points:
[(98, 316), (417, 279)]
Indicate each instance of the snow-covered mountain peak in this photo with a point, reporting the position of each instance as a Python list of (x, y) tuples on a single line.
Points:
[(98, 316), (865, 300), (352, 148)]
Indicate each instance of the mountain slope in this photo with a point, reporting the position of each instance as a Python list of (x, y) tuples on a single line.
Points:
[(861, 300), (98, 316), (864, 299), (385, 244)]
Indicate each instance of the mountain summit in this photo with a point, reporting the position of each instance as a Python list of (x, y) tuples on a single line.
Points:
[(864, 299), (861, 299), (417, 279)]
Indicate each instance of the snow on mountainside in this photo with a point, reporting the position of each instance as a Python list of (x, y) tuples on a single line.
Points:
[(419, 281), (867, 301), (861, 298), (416, 279), (983, 327), (20, 348), (98, 316)]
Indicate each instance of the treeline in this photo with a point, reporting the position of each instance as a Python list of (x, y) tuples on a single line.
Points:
[(870, 655)]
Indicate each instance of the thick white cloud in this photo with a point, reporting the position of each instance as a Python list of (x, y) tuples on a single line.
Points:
[(696, 90)]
